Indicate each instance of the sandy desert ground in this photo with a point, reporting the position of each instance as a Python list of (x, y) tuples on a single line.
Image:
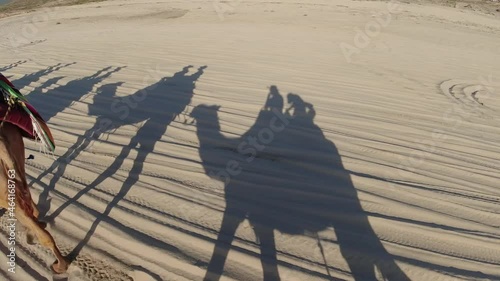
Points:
[(323, 140)]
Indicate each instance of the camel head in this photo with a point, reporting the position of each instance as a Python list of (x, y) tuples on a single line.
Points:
[(205, 114)]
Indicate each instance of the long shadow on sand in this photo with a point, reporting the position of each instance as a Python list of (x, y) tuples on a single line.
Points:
[(12, 65), (57, 100), (283, 174), (60, 98), (158, 105), (27, 79)]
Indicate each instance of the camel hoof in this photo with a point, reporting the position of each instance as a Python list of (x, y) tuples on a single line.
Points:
[(60, 267)]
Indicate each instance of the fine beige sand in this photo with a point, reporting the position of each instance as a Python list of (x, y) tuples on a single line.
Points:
[(351, 140)]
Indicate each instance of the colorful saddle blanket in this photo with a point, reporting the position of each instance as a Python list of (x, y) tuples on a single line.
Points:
[(23, 115)]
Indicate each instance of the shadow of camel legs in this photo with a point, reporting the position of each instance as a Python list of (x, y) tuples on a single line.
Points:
[(269, 261), (230, 222), (290, 180)]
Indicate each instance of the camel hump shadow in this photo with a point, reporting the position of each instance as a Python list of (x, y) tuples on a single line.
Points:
[(283, 174)]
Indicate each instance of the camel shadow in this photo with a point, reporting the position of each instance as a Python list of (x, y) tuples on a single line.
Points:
[(27, 79), (157, 106), (12, 65), (62, 97), (58, 168), (56, 101), (283, 174)]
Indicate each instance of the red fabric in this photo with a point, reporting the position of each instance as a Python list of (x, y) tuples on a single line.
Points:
[(17, 116)]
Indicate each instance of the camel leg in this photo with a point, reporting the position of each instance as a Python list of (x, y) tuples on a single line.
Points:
[(267, 253), (30, 236), (230, 224), (61, 265), (12, 157)]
